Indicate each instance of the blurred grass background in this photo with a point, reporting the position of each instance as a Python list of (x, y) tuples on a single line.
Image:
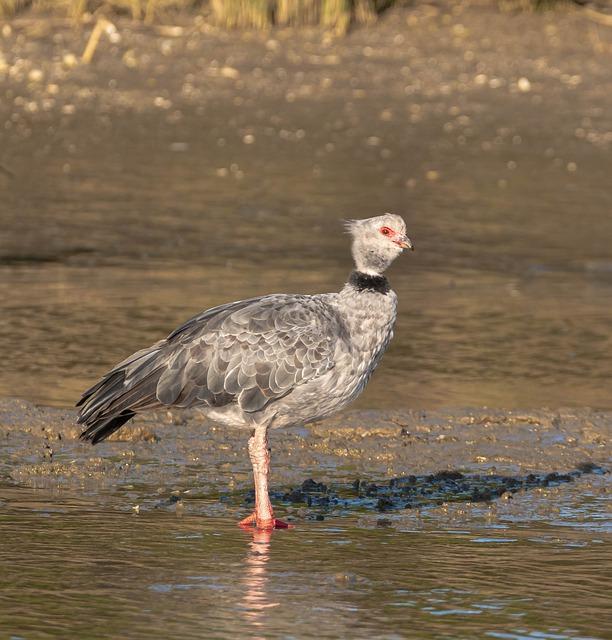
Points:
[(337, 15)]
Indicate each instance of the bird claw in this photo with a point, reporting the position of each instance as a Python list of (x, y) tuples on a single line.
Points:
[(263, 525)]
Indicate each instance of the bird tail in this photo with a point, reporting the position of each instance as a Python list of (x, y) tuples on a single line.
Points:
[(102, 428), (126, 390)]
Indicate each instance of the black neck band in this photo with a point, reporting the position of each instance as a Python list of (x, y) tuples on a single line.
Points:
[(364, 282)]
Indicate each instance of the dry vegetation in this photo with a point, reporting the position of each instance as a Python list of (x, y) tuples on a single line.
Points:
[(336, 15), (137, 9)]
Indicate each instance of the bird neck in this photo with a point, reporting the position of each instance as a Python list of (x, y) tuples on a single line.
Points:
[(375, 283)]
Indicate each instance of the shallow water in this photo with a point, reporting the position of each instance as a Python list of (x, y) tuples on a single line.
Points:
[(497, 310), (120, 220), (445, 525), (81, 568)]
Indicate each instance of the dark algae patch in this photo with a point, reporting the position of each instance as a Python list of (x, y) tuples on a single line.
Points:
[(413, 492)]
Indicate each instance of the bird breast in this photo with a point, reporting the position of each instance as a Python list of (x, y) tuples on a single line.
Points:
[(369, 318)]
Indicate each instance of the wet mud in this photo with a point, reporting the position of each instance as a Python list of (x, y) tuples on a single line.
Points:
[(357, 463)]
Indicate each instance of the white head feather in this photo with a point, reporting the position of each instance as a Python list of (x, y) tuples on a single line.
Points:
[(377, 242)]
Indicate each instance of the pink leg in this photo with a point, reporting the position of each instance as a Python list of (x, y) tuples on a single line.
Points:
[(263, 516)]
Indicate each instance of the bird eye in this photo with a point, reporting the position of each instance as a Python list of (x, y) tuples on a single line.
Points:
[(386, 231)]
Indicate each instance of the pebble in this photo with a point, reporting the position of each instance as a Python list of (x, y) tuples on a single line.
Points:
[(69, 60), (162, 103), (524, 85), (129, 59), (229, 72), (35, 75)]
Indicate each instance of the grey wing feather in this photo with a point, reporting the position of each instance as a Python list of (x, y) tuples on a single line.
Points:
[(251, 352), (256, 353)]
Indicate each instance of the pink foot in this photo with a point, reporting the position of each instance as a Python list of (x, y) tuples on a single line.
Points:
[(263, 525)]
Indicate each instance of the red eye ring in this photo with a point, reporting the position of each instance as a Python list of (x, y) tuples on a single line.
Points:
[(386, 231)]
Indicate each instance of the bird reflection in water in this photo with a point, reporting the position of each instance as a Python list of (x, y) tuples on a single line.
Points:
[(255, 601)]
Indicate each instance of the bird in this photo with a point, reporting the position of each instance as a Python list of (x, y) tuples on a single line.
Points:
[(263, 363)]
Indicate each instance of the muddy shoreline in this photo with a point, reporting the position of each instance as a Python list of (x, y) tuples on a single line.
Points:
[(357, 463)]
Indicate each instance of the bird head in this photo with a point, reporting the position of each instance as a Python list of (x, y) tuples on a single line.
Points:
[(377, 242)]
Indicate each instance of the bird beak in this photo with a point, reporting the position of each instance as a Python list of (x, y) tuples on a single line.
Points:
[(405, 243)]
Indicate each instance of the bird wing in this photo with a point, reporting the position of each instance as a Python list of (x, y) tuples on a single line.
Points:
[(252, 352)]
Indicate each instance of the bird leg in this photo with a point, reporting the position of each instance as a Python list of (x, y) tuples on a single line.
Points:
[(259, 452)]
